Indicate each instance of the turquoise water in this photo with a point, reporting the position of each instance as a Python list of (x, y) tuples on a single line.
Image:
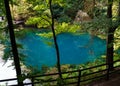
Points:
[(74, 49)]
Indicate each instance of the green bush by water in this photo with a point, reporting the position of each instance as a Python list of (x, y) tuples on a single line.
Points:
[(62, 28)]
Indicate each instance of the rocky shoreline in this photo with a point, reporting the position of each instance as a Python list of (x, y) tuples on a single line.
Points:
[(1, 52), (6, 71)]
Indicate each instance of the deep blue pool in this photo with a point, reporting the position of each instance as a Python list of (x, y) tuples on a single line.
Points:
[(74, 49)]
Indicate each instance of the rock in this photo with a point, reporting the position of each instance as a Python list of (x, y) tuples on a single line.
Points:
[(27, 81), (82, 17), (1, 52)]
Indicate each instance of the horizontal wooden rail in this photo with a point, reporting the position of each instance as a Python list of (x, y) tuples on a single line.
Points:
[(79, 77), (8, 80)]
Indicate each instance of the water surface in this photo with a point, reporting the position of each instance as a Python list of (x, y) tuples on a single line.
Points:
[(74, 49)]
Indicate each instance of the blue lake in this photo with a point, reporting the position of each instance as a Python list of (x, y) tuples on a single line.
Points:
[(74, 49)]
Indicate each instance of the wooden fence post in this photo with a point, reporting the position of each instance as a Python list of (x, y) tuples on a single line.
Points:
[(79, 77), (32, 81), (108, 70)]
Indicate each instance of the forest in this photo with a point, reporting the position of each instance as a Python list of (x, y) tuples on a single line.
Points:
[(59, 24)]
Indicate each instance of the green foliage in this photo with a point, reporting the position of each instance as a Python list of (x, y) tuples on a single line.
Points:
[(42, 17), (2, 8), (117, 38), (2, 13), (21, 33), (41, 7), (69, 67), (62, 28), (97, 26), (38, 21), (64, 18), (44, 69), (19, 9), (66, 27), (8, 51), (33, 20), (63, 11), (2, 35)]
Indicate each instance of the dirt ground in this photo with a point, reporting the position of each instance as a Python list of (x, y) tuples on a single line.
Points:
[(114, 80)]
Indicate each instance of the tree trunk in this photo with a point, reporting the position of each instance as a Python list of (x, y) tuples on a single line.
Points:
[(55, 40), (110, 37), (110, 49), (13, 42)]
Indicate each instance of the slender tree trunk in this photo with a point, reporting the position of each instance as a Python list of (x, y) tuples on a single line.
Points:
[(110, 49), (110, 37), (13, 42), (55, 40), (119, 12)]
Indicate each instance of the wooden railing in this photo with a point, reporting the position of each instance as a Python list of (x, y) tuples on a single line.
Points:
[(80, 77)]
